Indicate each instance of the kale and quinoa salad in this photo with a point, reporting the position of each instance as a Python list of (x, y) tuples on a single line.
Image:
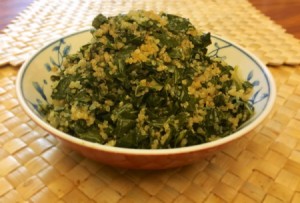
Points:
[(145, 81)]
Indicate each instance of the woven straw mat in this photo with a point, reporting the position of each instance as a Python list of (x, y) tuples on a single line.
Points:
[(263, 166), (236, 20)]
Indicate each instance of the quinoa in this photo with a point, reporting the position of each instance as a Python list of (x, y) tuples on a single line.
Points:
[(145, 81)]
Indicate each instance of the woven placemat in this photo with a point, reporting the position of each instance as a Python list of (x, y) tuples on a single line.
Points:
[(237, 20), (263, 166)]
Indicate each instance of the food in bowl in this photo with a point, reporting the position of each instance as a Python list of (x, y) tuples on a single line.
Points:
[(145, 81), (33, 92)]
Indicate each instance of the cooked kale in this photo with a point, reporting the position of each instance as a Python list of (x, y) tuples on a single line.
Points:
[(145, 81)]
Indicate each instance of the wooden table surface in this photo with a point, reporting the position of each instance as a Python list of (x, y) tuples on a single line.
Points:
[(284, 12)]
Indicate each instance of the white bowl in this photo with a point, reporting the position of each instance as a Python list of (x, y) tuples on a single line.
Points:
[(33, 87)]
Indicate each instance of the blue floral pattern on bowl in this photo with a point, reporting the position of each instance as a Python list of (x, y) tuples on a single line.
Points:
[(259, 94), (61, 50)]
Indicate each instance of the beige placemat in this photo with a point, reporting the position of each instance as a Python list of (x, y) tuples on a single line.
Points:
[(236, 20), (263, 166)]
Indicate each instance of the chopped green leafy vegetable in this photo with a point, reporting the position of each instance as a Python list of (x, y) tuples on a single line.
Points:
[(145, 81)]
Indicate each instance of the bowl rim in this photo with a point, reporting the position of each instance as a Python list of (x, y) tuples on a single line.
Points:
[(141, 152)]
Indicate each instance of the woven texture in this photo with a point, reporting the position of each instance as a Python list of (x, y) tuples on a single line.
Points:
[(236, 20), (263, 166)]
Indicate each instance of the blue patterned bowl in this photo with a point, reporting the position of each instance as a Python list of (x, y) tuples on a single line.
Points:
[(34, 88)]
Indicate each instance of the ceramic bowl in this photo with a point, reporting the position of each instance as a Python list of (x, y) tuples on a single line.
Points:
[(33, 88)]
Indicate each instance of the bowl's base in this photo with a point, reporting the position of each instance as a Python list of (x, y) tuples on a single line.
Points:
[(143, 162)]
